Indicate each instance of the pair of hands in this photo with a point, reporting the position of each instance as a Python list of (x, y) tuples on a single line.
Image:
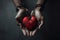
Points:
[(38, 15)]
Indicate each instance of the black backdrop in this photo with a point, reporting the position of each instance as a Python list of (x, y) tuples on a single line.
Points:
[(49, 31)]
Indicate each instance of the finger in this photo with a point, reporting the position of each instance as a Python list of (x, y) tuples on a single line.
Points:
[(19, 13), (27, 32), (20, 25), (38, 14), (41, 23), (24, 31), (30, 33), (33, 33), (32, 12)]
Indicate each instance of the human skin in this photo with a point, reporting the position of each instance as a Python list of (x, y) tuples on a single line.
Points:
[(35, 11)]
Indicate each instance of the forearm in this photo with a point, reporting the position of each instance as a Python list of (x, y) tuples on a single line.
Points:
[(18, 3), (40, 2), (40, 5)]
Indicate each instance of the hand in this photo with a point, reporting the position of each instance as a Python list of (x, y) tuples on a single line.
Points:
[(37, 13), (18, 19), (24, 30), (42, 19), (21, 12)]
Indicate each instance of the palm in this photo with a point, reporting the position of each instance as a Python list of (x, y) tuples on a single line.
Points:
[(39, 17)]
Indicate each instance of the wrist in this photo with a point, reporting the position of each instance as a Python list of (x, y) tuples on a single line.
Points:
[(39, 7), (20, 7)]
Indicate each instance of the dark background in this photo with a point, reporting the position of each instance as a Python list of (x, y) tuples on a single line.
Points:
[(49, 31)]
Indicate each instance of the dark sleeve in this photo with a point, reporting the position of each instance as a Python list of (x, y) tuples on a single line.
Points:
[(17, 2), (42, 4)]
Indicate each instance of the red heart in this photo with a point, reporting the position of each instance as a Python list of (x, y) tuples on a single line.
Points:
[(29, 23)]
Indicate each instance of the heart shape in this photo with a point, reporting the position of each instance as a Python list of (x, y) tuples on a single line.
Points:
[(29, 22)]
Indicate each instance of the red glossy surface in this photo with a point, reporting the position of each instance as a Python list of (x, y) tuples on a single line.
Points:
[(29, 23)]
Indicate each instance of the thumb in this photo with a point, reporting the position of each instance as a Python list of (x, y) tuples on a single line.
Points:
[(39, 26), (32, 12)]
